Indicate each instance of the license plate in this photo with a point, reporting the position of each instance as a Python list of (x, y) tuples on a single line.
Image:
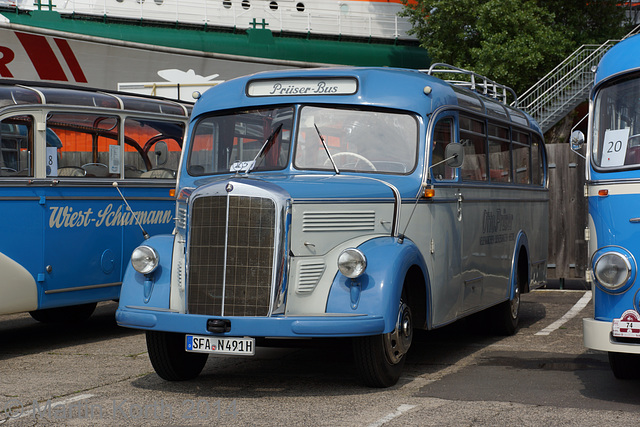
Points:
[(627, 326), (219, 345)]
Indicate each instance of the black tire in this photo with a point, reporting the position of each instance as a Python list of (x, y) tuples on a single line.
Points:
[(169, 358), (72, 314), (380, 358), (625, 366), (506, 316)]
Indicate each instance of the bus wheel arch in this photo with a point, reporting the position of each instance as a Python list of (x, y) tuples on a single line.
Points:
[(506, 315), (380, 359)]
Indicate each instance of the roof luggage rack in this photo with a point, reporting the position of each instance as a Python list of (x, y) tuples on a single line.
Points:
[(477, 83)]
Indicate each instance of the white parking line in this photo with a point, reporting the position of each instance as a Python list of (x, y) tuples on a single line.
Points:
[(401, 410), (568, 315)]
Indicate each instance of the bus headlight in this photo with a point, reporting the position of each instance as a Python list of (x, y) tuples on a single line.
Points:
[(352, 263), (144, 259), (612, 270)]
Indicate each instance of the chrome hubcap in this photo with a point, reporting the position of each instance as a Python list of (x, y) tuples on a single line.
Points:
[(397, 343), (515, 304)]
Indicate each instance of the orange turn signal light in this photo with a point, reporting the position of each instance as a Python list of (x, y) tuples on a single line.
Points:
[(603, 193), (429, 192), (172, 192)]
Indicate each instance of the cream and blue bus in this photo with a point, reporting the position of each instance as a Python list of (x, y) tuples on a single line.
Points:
[(360, 203), (67, 157), (613, 191)]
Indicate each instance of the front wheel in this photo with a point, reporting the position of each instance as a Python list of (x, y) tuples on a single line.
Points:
[(625, 366), (169, 358), (380, 358)]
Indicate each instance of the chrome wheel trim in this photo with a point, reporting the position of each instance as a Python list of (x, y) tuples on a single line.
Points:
[(397, 343), (515, 304)]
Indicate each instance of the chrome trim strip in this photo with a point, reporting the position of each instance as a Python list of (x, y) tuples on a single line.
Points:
[(82, 288)]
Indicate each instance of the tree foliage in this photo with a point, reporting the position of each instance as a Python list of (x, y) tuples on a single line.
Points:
[(515, 42)]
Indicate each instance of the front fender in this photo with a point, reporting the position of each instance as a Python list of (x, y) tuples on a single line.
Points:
[(150, 290), (378, 290)]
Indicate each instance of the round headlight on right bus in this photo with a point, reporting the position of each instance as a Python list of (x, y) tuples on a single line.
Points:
[(352, 263), (145, 259), (612, 270)]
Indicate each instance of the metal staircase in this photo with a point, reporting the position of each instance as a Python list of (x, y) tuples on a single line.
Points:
[(566, 86)]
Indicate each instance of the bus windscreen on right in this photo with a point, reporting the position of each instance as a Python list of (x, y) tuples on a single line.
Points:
[(617, 125)]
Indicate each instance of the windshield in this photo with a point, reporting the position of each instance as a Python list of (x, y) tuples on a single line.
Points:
[(260, 139), (359, 141), (241, 141), (616, 142)]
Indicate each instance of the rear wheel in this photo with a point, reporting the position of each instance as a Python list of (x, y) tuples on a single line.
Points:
[(169, 358), (506, 315), (380, 358), (625, 366), (72, 314)]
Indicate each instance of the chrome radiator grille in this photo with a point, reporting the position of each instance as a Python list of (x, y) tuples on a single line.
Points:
[(231, 256)]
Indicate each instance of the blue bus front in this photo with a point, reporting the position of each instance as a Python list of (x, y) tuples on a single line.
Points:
[(613, 190)]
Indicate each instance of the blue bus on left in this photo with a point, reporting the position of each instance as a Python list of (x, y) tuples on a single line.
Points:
[(86, 175)]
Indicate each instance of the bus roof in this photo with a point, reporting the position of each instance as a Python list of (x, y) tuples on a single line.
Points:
[(394, 88), (29, 93), (622, 58)]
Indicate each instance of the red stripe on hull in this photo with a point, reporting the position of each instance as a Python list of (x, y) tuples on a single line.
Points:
[(71, 59), (42, 57)]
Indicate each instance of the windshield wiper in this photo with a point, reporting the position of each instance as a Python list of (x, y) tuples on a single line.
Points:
[(265, 147), (324, 144)]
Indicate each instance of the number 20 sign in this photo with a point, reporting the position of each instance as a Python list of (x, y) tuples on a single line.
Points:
[(615, 147)]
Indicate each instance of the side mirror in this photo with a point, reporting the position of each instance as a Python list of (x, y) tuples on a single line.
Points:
[(576, 140), (454, 154), (162, 153)]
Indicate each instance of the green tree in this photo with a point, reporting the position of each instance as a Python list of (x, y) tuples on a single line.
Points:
[(514, 42)]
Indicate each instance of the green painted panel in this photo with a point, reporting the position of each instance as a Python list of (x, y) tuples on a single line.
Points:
[(252, 43)]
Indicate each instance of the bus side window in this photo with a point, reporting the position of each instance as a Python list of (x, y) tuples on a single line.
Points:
[(537, 162), (16, 146), (88, 145), (152, 148), (473, 137), (442, 136), (521, 157), (499, 154)]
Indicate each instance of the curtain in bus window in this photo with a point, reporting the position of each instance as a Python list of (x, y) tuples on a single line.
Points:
[(499, 154), (521, 157), (16, 146), (88, 146), (152, 148), (473, 138)]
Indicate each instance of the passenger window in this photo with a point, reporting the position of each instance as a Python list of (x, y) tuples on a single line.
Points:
[(473, 138), (16, 146), (87, 146), (521, 157), (442, 136), (537, 161), (499, 154), (152, 148)]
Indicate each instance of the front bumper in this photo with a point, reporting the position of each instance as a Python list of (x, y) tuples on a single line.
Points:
[(330, 325), (597, 336)]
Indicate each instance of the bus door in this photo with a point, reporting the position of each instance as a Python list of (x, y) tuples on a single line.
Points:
[(83, 213), (446, 230)]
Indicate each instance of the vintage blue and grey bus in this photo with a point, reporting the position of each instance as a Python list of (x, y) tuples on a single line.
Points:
[(66, 154), (613, 191), (346, 202)]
